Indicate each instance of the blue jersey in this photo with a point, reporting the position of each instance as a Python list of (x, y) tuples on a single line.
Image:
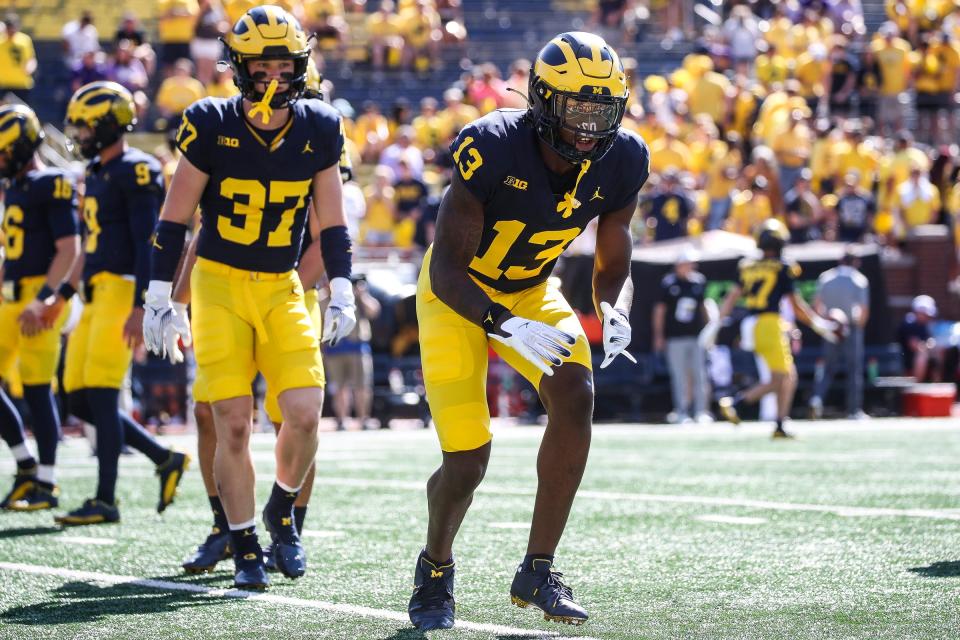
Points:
[(671, 210), (40, 208), (121, 205), (255, 204), (531, 215)]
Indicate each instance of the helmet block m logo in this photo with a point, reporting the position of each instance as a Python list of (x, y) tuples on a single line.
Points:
[(20, 136), (106, 109)]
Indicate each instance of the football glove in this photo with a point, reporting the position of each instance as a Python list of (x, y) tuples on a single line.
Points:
[(161, 328), (827, 329), (540, 344), (341, 315), (616, 334)]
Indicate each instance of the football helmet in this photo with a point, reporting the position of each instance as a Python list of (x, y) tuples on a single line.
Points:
[(577, 84), (268, 33), (20, 136), (98, 115), (772, 235)]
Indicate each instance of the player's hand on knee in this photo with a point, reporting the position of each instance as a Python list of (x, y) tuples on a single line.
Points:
[(341, 315), (616, 334), (542, 345)]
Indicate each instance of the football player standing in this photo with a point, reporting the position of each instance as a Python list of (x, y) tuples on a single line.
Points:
[(254, 163), (42, 242), (527, 183), (123, 189)]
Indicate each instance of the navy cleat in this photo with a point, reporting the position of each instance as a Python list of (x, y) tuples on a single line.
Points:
[(432, 605), (214, 549), (289, 556), (39, 497), (269, 563), (22, 483), (171, 472), (543, 588), (92, 511), (249, 572)]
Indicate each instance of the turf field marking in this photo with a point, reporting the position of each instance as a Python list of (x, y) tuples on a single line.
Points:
[(87, 540), (509, 525), (332, 607), (314, 533), (722, 519), (715, 501)]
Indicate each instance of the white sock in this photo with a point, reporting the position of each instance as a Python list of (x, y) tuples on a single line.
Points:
[(252, 522), (45, 473), (288, 488), (20, 452)]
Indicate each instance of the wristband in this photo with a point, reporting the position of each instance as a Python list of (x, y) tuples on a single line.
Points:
[(45, 293), (167, 244), (335, 247), (66, 290), (492, 315)]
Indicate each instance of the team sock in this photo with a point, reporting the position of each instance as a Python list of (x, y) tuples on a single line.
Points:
[(527, 564), (299, 515), (11, 430), (281, 501), (219, 517), (244, 538), (46, 422), (106, 419)]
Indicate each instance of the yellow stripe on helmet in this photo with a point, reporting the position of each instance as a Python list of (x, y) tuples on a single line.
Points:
[(578, 74)]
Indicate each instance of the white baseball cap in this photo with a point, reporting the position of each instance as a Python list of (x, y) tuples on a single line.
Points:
[(924, 304)]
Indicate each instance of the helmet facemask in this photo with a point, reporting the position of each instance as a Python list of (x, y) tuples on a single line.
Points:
[(247, 82), (585, 118)]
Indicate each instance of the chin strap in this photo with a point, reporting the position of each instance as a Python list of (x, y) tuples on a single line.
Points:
[(570, 202), (263, 108)]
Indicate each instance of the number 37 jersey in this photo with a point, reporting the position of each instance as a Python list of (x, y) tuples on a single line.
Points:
[(255, 203), (765, 282), (526, 225)]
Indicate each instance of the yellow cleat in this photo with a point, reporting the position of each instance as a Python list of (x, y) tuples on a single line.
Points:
[(728, 411)]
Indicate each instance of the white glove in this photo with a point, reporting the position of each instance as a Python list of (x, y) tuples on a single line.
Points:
[(181, 323), (341, 315), (616, 334), (160, 326), (541, 344), (827, 329), (708, 335), (73, 318)]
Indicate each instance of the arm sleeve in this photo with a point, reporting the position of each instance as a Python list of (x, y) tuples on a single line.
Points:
[(635, 169), (328, 135), (143, 207), (475, 159), (192, 136), (62, 208)]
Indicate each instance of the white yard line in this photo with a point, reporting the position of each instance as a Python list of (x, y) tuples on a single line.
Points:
[(508, 525), (722, 519), (86, 540), (300, 603)]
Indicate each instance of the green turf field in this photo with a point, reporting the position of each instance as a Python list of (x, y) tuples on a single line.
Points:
[(850, 532)]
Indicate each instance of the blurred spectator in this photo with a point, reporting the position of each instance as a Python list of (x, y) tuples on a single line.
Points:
[(763, 164), (371, 132), (843, 77), (742, 32), (91, 68), (222, 84), (428, 128), (18, 61), (420, 27), (855, 210), (205, 47), (79, 37), (376, 230), (678, 317), (711, 94), (917, 345), (670, 208), (893, 56), (668, 152), (869, 79), (846, 290), (517, 84), (749, 208), (927, 74), (857, 154), (128, 71), (403, 151), (400, 115), (384, 29), (813, 71), (131, 31), (803, 210), (354, 207), (917, 201), (409, 195), (792, 148), (177, 92), (456, 114), (487, 91), (348, 365), (723, 170), (176, 20), (326, 19)]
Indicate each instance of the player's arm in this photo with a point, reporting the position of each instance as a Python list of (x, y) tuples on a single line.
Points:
[(708, 335), (827, 329), (458, 234), (161, 324), (311, 267), (612, 286)]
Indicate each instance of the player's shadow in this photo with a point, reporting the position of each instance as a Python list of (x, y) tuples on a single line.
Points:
[(20, 532), (81, 602), (945, 569)]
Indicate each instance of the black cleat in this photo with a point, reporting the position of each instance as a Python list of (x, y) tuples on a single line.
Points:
[(38, 498), (289, 556), (432, 605), (728, 410), (269, 563), (543, 588), (214, 549), (92, 511), (22, 483), (171, 472), (781, 434), (249, 572)]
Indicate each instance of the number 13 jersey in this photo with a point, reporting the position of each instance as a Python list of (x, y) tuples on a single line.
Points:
[(526, 226), (255, 204)]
